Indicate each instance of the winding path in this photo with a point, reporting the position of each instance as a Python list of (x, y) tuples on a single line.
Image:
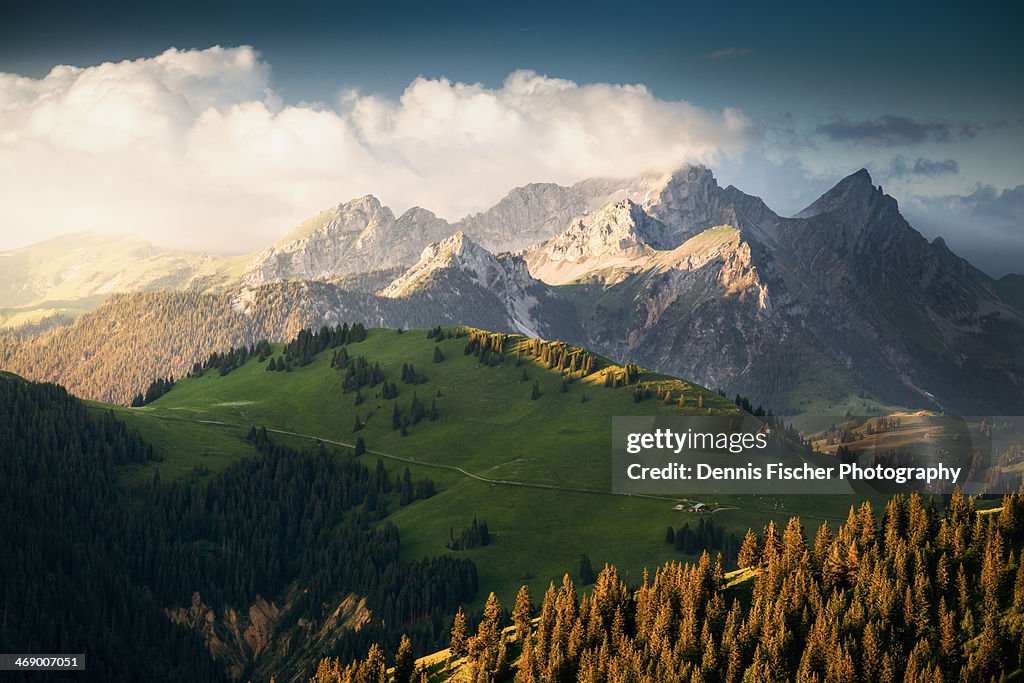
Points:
[(477, 477)]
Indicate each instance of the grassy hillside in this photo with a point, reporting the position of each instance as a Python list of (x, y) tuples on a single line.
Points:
[(538, 471)]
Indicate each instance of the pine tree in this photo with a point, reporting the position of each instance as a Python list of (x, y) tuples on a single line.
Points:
[(522, 613), (794, 544), (489, 632), (750, 551), (535, 392), (405, 661)]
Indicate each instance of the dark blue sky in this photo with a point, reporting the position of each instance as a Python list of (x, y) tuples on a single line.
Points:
[(952, 59), (927, 96)]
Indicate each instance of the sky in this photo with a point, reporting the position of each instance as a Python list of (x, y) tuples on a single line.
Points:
[(218, 126)]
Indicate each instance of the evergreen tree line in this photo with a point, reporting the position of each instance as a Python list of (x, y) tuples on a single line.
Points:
[(308, 343), (409, 491), (918, 596), (358, 373), (65, 584), (474, 536), (489, 347), (158, 388), (101, 357), (648, 390), (557, 356), (113, 361), (619, 377), (744, 404), (226, 361), (705, 536), (87, 564), (781, 432), (437, 333), (403, 419), (411, 376), (303, 518)]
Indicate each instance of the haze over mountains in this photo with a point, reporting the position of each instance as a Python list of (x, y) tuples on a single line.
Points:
[(843, 306)]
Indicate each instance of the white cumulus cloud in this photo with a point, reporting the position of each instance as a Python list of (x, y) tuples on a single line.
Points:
[(194, 148)]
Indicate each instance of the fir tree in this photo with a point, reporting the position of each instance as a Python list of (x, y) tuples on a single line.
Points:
[(750, 551), (459, 635), (522, 614), (405, 661)]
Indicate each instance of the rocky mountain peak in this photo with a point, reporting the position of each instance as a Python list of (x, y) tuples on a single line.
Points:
[(355, 236), (456, 253), (457, 244), (367, 202), (688, 202), (608, 243), (854, 194), (418, 213), (362, 212), (618, 225)]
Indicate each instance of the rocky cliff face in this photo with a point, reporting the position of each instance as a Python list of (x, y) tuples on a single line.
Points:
[(843, 304), (527, 215), (605, 245), (702, 310), (844, 300), (914, 319), (362, 235), (355, 237), (457, 274), (266, 638)]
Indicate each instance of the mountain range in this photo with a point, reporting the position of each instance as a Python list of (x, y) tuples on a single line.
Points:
[(844, 306)]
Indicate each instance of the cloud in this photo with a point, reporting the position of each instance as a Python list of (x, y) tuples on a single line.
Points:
[(194, 147), (729, 53), (901, 167), (889, 130), (984, 225), (1004, 207)]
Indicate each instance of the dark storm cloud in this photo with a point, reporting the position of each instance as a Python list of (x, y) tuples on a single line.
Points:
[(890, 130), (901, 167)]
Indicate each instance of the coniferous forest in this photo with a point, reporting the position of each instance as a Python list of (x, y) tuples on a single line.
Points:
[(87, 565), (192, 579), (916, 597)]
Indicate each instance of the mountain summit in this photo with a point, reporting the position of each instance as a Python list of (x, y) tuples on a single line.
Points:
[(843, 306), (357, 236)]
